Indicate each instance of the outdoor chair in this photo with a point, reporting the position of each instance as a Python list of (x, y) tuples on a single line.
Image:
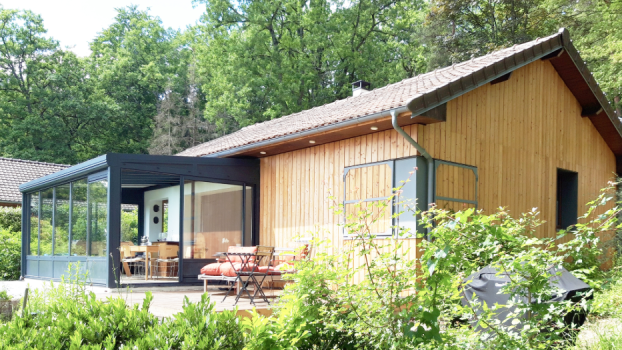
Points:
[(243, 270), (167, 263), (283, 262), (133, 266), (214, 271)]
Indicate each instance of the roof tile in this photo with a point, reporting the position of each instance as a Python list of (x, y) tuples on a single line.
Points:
[(380, 99), (14, 172)]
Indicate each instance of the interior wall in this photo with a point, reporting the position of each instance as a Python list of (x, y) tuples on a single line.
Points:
[(154, 197)]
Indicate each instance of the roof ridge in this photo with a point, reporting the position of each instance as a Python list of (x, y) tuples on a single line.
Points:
[(33, 161)]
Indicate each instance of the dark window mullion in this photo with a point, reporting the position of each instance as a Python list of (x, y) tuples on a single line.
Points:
[(70, 217), (39, 224), (53, 220)]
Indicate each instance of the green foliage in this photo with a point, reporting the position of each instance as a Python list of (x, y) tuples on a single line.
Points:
[(148, 89), (10, 254), (11, 219), (261, 60), (400, 304), (65, 316), (460, 30), (129, 226)]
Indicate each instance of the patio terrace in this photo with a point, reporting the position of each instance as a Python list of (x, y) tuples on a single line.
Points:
[(167, 300)]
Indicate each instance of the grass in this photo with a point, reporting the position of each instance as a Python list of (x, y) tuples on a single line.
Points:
[(604, 327)]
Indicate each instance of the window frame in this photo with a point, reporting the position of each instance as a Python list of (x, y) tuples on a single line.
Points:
[(561, 210), (437, 163), (390, 231)]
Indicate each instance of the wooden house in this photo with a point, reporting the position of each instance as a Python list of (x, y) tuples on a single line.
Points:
[(522, 127)]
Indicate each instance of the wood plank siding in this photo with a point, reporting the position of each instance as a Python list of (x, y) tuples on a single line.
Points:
[(517, 133)]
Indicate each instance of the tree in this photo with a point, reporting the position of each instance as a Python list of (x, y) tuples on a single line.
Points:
[(261, 60), (131, 60), (48, 104), (595, 27), (460, 30)]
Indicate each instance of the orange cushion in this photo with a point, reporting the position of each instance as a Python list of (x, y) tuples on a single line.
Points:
[(228, 270), (236, 249), (212, 269)]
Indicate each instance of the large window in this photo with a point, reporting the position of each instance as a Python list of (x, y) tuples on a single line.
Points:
[(46, 222), (69, 219), (78, 217), (367, 189), (34, 224), (212, 218), (98, 217), (61, 220)]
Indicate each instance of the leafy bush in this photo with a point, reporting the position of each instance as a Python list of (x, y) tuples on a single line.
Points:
[(10, 254), (65, 316), (11, 219), (400, 304), (365, 294)]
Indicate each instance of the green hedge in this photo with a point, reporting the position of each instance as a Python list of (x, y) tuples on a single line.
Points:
[(10, 255), (11, 219)]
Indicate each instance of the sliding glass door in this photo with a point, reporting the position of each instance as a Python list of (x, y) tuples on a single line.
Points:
[(213, 218)]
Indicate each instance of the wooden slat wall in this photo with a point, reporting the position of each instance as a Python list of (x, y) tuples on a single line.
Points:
[(517, 133), (295, 186)]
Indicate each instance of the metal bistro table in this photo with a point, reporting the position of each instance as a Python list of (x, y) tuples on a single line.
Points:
[(247, 274)]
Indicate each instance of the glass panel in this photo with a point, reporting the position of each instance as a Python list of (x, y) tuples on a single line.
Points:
[(164, 218), (129, 223), (47, 210), (61, 221), (98, 217), (212, 218), (375, 214), (374, 181), (78, 218), (34, 224)]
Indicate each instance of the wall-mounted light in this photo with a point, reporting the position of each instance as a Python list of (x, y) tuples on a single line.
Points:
[(262, 152), (374, 128), (311, 141)]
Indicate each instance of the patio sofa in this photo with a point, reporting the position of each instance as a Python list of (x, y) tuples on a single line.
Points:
[(219, 271)]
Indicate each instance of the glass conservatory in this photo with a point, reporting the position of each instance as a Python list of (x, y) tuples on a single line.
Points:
[(138, 219)]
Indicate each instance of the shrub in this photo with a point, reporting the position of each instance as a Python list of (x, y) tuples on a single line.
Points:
[(401, 305), (10, 254), (11, 219), (65, 316)]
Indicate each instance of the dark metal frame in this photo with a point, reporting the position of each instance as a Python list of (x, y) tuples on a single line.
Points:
[(346, 170), (437, 163), (400, 167), (244, 172)]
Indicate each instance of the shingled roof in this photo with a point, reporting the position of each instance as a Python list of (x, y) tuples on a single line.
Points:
[(14, 172), (419, 94)]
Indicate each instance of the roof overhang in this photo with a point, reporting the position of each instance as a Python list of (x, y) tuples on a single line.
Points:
[(558, 49)]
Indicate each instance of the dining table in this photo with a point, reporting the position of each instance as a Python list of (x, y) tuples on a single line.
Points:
[(147, 249)]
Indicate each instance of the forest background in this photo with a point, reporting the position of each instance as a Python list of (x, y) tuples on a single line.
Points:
[(148, 89)]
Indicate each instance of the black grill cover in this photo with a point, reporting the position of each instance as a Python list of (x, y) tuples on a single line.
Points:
[(486, 285)]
